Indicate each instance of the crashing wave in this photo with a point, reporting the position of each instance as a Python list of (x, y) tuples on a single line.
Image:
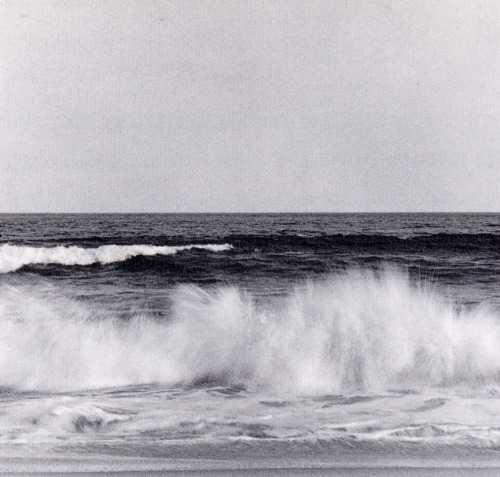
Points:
[(360, 330)]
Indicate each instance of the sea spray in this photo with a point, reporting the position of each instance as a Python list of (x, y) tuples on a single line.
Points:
[(356, 331)]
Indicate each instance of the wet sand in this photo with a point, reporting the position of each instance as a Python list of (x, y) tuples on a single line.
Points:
[(335, 472), (122, 467)]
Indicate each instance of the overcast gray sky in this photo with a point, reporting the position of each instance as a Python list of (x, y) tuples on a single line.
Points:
[(227, 106)]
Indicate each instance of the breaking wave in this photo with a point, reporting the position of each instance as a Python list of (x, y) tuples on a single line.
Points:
[(360, 330), (14, 257)]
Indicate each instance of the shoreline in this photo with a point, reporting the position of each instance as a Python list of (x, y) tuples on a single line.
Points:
[(447, 464)]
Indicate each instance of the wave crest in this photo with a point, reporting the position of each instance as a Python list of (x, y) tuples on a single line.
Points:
[(14, 257)]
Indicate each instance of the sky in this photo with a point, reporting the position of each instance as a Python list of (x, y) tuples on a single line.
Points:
[(249, 106)]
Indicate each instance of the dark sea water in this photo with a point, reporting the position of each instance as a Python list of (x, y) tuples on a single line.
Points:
[(323, 336)]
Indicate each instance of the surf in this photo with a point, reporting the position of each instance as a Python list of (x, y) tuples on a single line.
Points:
[(360, 330)]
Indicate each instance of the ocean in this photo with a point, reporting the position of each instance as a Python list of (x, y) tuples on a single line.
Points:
[(249, 341)]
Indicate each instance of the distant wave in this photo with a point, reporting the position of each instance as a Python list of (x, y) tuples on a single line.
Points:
[(465, 242), (359, 330), (13, 257), (451, 241)]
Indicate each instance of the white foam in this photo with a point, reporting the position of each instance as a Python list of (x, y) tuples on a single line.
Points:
[(13, 257), (356, 331)]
